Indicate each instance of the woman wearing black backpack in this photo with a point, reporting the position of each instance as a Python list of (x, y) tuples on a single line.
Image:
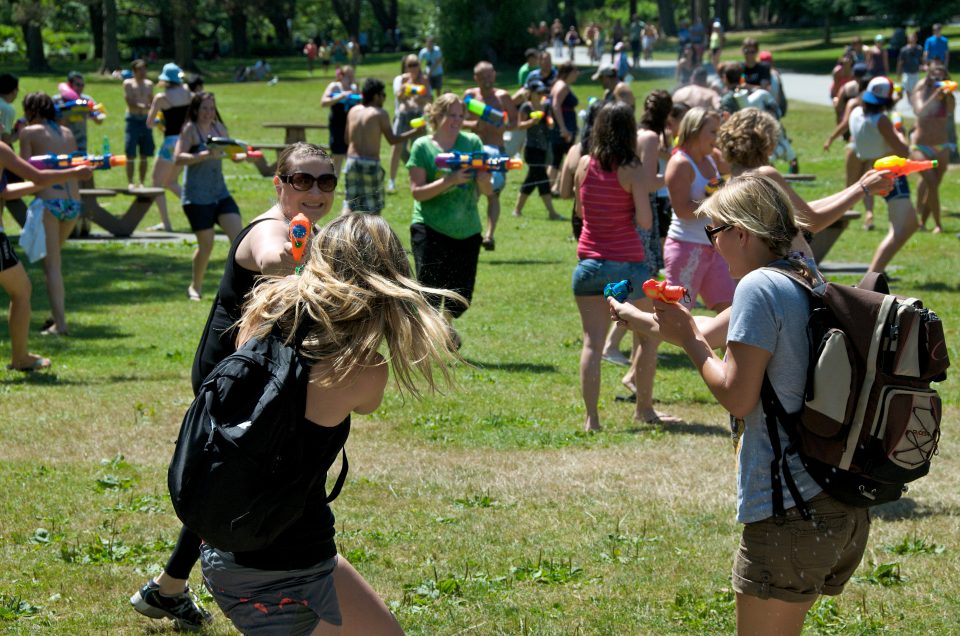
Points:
[(355, 292), (783, 564)]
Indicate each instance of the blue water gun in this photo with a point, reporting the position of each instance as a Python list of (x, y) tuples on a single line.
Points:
[(352, 99), (486, 112), (621, 291)]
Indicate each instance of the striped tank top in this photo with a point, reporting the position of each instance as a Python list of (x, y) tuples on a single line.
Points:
[(609, 228)]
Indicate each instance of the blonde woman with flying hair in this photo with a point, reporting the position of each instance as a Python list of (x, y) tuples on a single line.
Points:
[(782, 565), (355, 293)]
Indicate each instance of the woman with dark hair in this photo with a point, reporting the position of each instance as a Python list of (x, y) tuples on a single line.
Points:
[(653, 148), (206, 200), (564, 103), (614, 201), (58, 205)]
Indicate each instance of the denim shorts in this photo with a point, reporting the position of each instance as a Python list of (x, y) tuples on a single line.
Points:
[(592, 275), (136, 136), (901, 190)]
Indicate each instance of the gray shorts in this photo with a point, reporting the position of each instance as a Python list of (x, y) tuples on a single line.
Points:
[(269, 602)]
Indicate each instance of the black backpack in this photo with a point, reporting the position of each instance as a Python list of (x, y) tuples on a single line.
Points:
[(870, 423), (239, 476)]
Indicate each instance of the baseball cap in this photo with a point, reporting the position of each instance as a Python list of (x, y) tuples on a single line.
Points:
[(859, 69), (536, 86), (766, 56), (878, 91), (605, 69)]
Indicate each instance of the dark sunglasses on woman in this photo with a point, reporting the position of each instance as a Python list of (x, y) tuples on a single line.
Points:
[(302, 181)]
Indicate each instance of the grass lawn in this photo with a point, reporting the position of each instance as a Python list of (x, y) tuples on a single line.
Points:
[(483, 510)]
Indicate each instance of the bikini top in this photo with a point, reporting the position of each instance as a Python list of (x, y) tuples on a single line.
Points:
[(173, 119)]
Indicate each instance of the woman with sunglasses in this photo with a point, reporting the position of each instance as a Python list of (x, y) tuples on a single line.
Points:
[(305, 183), (206, 200), (784, 564)]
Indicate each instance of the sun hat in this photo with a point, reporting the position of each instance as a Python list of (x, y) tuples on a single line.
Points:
[(878, 91), (605, 69), (171, 73)]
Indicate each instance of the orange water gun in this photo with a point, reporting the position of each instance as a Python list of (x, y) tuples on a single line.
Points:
[(299, 233), (660, 290), (413, 90), (947, 85), (902, 167)]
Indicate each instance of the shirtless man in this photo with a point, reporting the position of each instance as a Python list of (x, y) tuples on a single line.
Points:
[(138, 93), (613, 88), (485, 76), (362, 172)]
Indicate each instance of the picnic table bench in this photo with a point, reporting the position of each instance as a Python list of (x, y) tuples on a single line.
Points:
[(825, 238), (124, 225), (294, 132)]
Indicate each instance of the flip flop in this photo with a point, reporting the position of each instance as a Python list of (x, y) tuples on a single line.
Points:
[(38, 365)]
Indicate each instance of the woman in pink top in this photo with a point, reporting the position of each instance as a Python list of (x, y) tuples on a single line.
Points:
[(614, 200)]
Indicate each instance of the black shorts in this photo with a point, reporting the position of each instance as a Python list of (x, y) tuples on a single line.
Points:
[(8, 258), (560, 149), (203, 216), (537, 179), (445, 263), (338, 139), (661, 207)]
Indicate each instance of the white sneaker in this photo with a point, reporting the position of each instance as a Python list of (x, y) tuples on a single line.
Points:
[(617, 357), (391, 186)]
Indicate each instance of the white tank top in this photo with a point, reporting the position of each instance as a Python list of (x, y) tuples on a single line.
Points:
[(692, 231), (868, 143)]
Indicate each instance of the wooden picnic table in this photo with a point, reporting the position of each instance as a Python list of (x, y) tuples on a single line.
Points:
[(825, 238), (124, 225), (294, 132)]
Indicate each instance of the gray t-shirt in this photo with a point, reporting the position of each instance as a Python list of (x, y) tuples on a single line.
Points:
[(911, 56), (770, 311)]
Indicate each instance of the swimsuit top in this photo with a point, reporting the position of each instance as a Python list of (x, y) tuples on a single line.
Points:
[(173, 119)]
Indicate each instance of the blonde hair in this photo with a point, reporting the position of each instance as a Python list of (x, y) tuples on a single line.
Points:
[(695, 119), (748, 138), (758, 205), (436, 111), (354, 292)]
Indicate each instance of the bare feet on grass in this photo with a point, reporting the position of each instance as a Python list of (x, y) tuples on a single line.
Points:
[(652, 416)]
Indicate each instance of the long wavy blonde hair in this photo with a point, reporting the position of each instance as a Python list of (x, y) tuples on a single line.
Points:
[(354, 292)]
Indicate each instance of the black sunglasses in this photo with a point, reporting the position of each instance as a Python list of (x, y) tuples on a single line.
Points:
[(302, 182), (712, 231)]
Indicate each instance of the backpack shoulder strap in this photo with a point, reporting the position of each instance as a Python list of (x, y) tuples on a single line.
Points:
[(341, 478), (773, 412)]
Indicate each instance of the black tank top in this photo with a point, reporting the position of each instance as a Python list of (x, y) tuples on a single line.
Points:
[(218, 339), (311, 538), (173, 119)]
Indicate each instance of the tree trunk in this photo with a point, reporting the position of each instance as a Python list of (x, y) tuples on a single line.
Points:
[(668, 23), (385, 13), (742, 11), (349, 13), (703, 11), (631, 11), (827, 34), (96, 27), (167, 30), (240, 44), (277, 12), (722, 8), (183, 14), (33, 37), (111, 49)]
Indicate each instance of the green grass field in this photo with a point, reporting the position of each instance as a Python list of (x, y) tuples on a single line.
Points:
[(483, 510)]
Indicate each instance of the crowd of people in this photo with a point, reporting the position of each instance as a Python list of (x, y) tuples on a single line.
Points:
[(677, 184)]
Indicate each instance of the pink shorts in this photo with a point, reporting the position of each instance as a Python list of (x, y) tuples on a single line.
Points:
[(700, 269)]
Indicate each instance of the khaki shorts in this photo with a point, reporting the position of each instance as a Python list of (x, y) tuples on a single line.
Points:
[(795, 560)]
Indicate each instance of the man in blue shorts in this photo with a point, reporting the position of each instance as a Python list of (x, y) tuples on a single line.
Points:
[(138, 93)]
